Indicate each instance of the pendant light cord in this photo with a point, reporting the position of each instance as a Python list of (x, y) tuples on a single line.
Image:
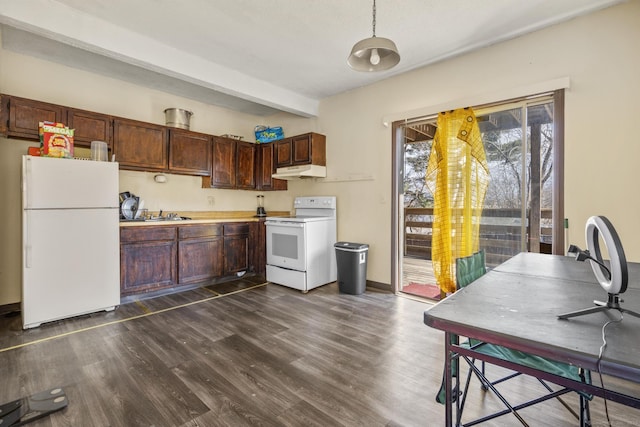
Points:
[(374, 18)]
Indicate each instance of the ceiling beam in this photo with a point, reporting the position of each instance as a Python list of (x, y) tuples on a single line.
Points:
[(100, 37)]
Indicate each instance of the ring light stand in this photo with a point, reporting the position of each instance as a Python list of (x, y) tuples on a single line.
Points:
[(618, 277)]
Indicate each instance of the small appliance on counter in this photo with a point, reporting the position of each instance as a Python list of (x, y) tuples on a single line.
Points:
[(130, 207), (260, 212)]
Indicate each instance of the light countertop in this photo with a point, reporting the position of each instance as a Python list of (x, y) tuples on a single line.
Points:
[(209, 217)]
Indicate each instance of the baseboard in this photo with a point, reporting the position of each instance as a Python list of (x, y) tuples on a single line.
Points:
[(379, 286), (9, 309)]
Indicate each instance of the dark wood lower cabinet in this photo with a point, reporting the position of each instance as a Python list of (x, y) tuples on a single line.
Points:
[(236, 247), (200, 253), (158, 257), (147, 259), (258, 242)]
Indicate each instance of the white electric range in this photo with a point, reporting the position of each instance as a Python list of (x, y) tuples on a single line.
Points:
[(300, 249)]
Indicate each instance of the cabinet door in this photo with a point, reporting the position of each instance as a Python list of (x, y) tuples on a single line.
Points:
[(301, 149), (284, 156), (306, 149), (147, 259), (236, 254), (147, 266), (309, 148), (265, 167), (223, 167), (89, 127), (25, 114), (245, 165), (189, 153), (200, 259), (236, 247), (139, 145)]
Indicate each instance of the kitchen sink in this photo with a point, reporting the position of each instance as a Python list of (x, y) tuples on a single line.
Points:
[(166, 218), (170, 217)]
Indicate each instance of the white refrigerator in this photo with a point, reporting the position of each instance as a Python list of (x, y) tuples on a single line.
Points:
[(70, 238)]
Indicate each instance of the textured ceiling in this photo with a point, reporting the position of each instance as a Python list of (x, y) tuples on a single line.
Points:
[(262, 56)]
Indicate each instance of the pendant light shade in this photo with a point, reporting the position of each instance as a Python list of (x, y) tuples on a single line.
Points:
[(374, 53)]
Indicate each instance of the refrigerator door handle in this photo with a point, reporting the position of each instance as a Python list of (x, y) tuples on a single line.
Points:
[(26, 182), (27, 240)]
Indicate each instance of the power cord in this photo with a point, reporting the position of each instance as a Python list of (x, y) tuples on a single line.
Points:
[(602, 347)]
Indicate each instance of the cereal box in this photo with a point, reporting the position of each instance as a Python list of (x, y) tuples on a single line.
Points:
[(56, 140)]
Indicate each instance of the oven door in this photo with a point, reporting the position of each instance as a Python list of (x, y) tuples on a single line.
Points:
[(285, 245)]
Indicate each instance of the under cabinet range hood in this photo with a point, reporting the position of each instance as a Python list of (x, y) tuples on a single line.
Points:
[(301, 171)]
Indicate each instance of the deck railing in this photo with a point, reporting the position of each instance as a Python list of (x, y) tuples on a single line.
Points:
[(500, 233)]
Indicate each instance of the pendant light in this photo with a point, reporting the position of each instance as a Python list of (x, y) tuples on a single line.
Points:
[(374, 53)]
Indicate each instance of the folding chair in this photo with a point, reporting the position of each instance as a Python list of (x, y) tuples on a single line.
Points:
[(468, 269)]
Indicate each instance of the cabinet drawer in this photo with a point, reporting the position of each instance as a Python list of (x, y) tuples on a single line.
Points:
[(235, 229), (146, 234), (196, 231)]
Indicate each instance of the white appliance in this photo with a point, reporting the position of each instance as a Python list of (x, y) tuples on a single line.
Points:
[(300, 252), (70, 238)]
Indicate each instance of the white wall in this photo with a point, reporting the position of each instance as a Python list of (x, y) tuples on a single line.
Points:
[(599, 53)]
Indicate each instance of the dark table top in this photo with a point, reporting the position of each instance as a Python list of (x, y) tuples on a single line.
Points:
[(517, 303)]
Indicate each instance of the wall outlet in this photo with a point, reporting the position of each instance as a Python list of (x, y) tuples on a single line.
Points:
[(211, 200)]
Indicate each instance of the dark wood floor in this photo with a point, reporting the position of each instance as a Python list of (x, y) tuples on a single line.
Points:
[(250, 353)]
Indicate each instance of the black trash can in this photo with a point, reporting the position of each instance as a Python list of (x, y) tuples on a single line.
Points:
[(351, 261)]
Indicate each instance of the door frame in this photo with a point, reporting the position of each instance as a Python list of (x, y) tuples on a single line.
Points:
[(397, 170)]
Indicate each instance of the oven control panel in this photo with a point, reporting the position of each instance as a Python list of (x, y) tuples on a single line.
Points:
[(324, 202)]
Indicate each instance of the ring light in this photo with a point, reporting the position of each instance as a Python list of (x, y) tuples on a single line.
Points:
[(617, 282), (618, 275)]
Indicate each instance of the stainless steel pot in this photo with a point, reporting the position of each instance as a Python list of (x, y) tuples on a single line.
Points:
[(177, 117)]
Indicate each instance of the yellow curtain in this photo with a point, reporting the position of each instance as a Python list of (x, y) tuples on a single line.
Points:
[(458, 177)]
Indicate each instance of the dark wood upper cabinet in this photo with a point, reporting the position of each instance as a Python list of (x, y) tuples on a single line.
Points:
[(223, 166), (233, 164), (90, 126), (26, 114), (265, 167), (283, 153), (189, 152), (140, 145), (245, 165), (309, 148), (222, 162)]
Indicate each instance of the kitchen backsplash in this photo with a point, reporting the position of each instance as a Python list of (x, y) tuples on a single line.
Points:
[(185, 193)]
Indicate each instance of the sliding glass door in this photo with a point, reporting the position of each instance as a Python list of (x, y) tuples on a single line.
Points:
[(520, 145)]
